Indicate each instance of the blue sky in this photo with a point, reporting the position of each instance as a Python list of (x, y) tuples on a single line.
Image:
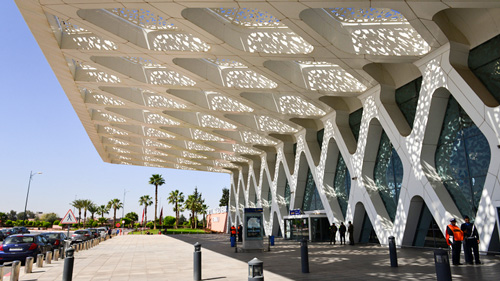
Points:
[(41, 132)]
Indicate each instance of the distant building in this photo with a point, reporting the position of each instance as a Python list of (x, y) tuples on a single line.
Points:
[(217, 219)]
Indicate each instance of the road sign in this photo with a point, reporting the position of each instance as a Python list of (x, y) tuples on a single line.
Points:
[(118, 224), (69, 218)]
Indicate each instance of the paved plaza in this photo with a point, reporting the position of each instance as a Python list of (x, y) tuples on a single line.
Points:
[(159, 257)]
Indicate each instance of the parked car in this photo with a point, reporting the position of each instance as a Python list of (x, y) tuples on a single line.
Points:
[(56, 239), (20, 230), (103, 231), (20, 246), (7, 231), (94, 231), (81, 235), (2, 236)]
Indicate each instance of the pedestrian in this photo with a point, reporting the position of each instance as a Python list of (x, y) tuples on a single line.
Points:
[(109, 232), (333, 233), (240, 233), (233, 231), (350, 229), (342, 230), (454, 238), (471, 241)]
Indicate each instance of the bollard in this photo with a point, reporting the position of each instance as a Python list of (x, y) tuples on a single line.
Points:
[(28, 266), (39, 260), (442, 263), (1, 272), (69, 261), (304, 256), (56, 254), (14, 271), (197, 262), (271, 238), (392, 251), (48, 257), (255, 270)]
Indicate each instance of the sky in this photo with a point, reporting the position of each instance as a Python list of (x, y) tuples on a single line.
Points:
[(40, 132)]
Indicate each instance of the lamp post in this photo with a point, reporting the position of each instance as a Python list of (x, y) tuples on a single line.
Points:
[(28, 193)]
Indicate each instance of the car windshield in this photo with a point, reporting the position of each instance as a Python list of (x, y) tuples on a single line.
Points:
[(52, 235), (19, 240), (80, 232)]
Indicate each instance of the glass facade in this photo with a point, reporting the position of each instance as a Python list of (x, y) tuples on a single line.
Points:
[(368, 234), (342, 184), (428, 233), (287, 196), (355, 122), (484, 61), (407, 99), (312, 201), (462, 158), (319, 137), (388, 175)]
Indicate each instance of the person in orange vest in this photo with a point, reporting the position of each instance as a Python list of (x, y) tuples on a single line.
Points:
[(454, 238), (233, 231)]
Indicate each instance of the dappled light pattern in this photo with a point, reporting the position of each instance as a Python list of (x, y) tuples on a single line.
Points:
[(153, 143), (154, 152), (158, 119), (253, 138), (188, 154), (121, 157), (120, 150), (269, 124), (201, 135), (233, 158), (169, 77), (95, 75), (226, 63), (114, 131), (223, 103), (83, 38), (329, 77), (111, 117), (152, 159), (214, 122), (106, 100), (152, 132), (236, 74), (244, 149), (143, 18), (298, 106), (277, 42), (178, 42), (182, 167), (224, 164), (191, 145), (159, 101), (117, 141), (248, 17), (187, 162), (380, 31)]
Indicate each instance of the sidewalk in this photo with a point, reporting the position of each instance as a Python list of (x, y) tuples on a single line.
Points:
[(159, 257)]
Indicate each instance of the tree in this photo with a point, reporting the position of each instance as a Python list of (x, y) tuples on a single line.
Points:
[(102, 221), (12, 215), (156, 180), (79, 205), (224, 201), (50, 217), (86, 204), (3, 218), (177, 198), (103, 209), (93, 208), (29, 215), (203, 211), (115, 204), (146, 201), (132, 216), (194, 204)]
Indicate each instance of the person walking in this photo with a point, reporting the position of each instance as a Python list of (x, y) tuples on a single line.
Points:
[(233, 231), (333, 233), (454, 238), (350, 229), (240, 233), (471, 241), (342, 230)]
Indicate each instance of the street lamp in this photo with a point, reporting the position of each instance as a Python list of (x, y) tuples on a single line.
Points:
[(27, 193)]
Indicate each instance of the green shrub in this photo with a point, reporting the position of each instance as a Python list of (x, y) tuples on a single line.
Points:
[(46, 224), (169, 221), (149, 224), (9, 223), (56, 222)]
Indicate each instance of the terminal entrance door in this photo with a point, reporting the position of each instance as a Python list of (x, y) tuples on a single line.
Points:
[(314, 228), (296, 229)]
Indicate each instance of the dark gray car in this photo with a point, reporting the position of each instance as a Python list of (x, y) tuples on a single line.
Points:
[(81, 235)]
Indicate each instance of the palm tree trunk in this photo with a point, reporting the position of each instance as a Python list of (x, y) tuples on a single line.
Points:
[(176, 214), (79, 215), (145, 215), (84, 217), (156, 204), (114, 217)]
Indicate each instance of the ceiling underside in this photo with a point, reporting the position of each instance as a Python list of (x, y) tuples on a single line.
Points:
[(211, 85)]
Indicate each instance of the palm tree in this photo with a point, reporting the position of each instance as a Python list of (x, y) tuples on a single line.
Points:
[(103, 209), (146, 201), (156, 180), (93, 208), (203, 211), (177, 198), (115, 204), (86, 204), (79, 205), (194, 203)]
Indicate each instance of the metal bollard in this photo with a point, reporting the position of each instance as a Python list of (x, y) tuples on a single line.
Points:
[(14, 271), (392, 251), (56, 254), (197, 262), (255, 270), (1, 272), (39, 260), (304, 256), (442, 262), (69, 261), (48, 257), (28, 266)]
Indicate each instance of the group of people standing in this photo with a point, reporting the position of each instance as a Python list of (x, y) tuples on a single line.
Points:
[(342, 230), (467, 233)]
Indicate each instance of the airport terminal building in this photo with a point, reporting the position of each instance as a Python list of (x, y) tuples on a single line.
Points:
[(383, 113)]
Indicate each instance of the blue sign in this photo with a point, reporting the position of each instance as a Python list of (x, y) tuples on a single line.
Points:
[(253, 210), (295, 212)]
